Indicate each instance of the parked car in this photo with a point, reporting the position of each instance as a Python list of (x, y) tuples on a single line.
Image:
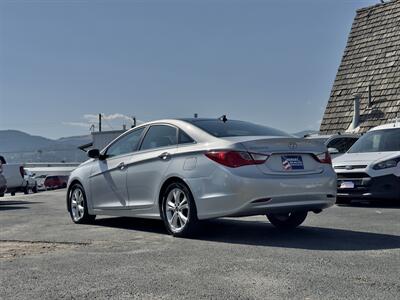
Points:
[(30, 181), (14, 175), (186, 170), (53, 182), (3, 181), (40, 182), (371, 168), (337, 144)]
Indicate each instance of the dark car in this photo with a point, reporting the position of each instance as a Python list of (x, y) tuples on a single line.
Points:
[(55, 182), (337, 144), (3, 181)]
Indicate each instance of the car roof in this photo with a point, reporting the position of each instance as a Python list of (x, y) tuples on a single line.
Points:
[(387, 126), (176, 121), (197, 119)]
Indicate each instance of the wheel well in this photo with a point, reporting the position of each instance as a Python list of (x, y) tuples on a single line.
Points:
[(166, 184), (75, 181)]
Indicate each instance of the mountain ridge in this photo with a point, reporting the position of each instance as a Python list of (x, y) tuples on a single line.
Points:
[(19, 146)]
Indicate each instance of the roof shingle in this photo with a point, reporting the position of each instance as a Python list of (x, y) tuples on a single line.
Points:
[(371, 57)]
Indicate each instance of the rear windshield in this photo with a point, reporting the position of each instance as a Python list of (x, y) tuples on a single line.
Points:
[(378, 141), (231, 128)]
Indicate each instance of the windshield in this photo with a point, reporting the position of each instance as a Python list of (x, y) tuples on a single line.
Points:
[(232, 128), (378, 141)]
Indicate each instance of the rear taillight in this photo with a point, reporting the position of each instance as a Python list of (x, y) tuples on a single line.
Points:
[(22, 171), (324, 158), (235, 159)]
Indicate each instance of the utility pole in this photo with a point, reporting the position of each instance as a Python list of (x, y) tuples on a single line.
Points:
[(99, 122)]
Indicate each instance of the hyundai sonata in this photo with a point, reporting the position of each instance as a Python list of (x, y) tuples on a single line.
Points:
[(186, 170)]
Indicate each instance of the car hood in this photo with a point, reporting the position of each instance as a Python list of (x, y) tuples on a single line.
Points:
[(364, 158)]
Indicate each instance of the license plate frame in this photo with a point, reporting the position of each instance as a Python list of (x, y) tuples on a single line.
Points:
[(347, 185), (292, 162)]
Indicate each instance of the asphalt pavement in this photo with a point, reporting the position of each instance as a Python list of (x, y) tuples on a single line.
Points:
[(345, 252)]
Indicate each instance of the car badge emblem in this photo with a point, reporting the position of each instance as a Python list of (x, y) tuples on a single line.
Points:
[(349, 168)]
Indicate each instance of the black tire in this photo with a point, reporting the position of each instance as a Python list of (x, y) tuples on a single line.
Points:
[(2, 195), (191, 225), (86, 218), (287, 220), (12, 193), (35, 189), (26, 190)]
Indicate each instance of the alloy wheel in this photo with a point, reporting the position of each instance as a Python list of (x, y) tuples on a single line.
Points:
[(77, 204), (177, 209)]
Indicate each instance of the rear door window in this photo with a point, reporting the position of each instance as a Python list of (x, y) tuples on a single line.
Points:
[(159, 136), (183, 138)]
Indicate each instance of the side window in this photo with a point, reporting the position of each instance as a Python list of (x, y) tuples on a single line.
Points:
[(159, 136), (183, 138), (126, 144)]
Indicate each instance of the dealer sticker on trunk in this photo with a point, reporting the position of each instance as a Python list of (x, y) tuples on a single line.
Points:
[(292, 162)]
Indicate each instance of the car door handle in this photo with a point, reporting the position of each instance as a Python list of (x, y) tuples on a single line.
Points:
[(121, 166), (164, 156)]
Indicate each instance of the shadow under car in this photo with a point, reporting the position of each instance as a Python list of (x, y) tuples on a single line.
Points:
[(259, 233)]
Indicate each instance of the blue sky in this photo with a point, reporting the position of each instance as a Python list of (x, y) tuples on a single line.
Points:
[(270, 62)]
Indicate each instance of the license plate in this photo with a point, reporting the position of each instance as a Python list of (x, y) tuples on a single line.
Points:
[(347, 185), (292, 162)]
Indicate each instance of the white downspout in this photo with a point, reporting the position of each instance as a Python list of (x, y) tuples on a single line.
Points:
[(354, 126)]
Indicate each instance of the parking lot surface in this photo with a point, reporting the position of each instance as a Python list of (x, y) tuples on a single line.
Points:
[(350, 252)]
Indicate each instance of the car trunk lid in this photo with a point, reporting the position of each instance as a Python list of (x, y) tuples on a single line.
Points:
[(287, 155)]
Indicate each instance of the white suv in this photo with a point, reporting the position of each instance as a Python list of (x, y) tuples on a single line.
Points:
[(371, 167)]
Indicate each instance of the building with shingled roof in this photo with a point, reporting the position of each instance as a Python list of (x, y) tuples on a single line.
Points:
[(366, 90)]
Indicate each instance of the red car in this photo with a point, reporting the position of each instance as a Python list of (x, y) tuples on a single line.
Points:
[(55, 182)]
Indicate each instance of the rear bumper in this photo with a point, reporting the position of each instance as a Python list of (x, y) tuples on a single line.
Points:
[(224, 193), (382, 187)]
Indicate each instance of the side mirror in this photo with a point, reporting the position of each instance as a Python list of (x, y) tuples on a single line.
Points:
[(333, 151), (33, 174), (94, 153)]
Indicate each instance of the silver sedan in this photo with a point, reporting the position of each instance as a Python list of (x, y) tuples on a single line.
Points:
[(186, 170)]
